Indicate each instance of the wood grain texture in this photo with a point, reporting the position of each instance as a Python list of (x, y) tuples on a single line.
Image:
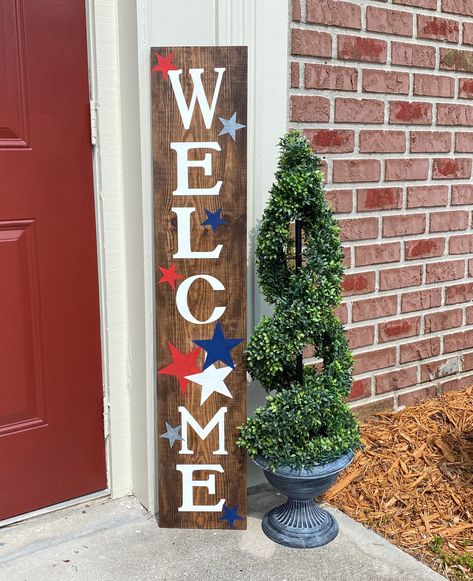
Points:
[(230, 268)]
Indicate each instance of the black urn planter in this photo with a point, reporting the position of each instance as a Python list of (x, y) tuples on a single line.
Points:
[(300, 522)]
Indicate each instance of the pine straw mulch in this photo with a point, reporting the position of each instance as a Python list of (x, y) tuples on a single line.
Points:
[(413, 483)]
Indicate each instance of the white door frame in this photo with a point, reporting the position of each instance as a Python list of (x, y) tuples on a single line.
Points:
[(120, 34)]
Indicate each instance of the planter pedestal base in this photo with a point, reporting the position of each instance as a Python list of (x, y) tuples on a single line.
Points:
[(300, 524)]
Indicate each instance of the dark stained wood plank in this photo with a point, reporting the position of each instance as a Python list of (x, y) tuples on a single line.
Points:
[(230, 268)]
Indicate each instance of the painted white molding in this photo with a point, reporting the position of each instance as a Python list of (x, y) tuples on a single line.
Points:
[(105, 91)]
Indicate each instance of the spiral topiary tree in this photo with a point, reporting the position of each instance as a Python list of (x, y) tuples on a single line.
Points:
[(306, 420)]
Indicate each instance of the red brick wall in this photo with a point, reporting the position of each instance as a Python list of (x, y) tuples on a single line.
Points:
[(383, 89)]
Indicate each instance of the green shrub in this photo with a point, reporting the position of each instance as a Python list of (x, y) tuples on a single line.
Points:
[(308, 424)]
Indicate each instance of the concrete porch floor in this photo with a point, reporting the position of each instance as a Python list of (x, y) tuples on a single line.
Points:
[(115, 540)]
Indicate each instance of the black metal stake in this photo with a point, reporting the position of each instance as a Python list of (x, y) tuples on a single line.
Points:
[(299, 363)]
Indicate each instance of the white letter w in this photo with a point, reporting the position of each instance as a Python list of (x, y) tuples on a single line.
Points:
[(197, 95)]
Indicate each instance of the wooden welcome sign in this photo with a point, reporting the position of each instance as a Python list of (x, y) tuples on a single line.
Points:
[(199, 150)]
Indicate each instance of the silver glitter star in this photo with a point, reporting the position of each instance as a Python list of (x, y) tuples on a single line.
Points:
[(172, 434), (230, 126)]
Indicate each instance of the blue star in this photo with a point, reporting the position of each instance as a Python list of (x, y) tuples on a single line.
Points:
[(172, 434), (218, 348), (230, 126), (214, 219), (230, 515)]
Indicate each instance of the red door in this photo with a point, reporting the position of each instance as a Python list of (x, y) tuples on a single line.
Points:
[(51, 404)]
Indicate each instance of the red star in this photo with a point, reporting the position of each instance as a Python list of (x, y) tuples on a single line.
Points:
[(164, 65), (182, 364), (170, 275)]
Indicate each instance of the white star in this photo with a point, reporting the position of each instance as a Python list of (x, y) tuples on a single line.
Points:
[(230, 126), (211, 380)]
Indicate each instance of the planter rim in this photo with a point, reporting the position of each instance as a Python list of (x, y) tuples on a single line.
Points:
[(318, 470)]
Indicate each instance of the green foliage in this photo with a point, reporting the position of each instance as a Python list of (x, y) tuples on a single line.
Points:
[(300, 425), (463, 560)]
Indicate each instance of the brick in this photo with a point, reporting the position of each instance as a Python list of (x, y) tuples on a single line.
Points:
[(456, 384), (431, 142), (310, 108), (425, 248), (341, 201), (308, 352), (331, 78), (358, 228), (393, 82), (467, 33), (459, 293), (462, 194), (448, 168), (367, 309), (360, 389), (403, 225), (458, 341), (377, 253), (448, 221), (421, 300), (442, 271), (413, 55), (452, 59), (341, 312), (334, 13), (346, 257), (437, 369), (373, 360), (382, 141), (331, 140), (296, 10), (359, 111), (450, 114), (359, 283), (396, 380), (441, 321), (363, 412), (360, 337), (415, 397), (311, 43), (419, 350), (437, 28), (464, 142), (428, 4), (406, 169), (295, 75), (388, 21), (461, 244), (394, 278), (463, 7), (434, 85), (469, 310), (466, 88), (379, 199), (467, 361), (410, 113), (392, 330), (426, 196), (357, 48), (356, 170)]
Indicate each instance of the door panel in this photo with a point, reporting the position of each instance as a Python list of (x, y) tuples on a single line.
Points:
[(51, 397)]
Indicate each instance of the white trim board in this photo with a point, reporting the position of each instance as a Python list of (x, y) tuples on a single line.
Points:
[(104, 82)]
